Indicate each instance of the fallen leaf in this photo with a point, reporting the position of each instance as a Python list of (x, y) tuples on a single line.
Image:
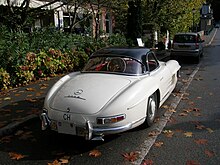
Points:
[(153, 133), (197, 114), (183, 114), (209, 153), (19, 132), (165, 106), (188, 134), (31, 100), (38, 94), (187, 110), (179, 130), (172, 110), (26, 135), (131, 157), (168, 133), (185, 98), (196, 109), (200, 127), (201, 141), (16, 156), (210, 130), (7, 98), (172, 120), (19, 111), (55, 162), (64, 161), (158, 144), (157, 119), (30, 89), (191, 103), (6, 139), (185, 81), (192, 162), (148, 162), (95, 153), (17, 94)]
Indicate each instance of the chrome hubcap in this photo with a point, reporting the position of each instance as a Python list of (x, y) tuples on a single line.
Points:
[(152, 108)]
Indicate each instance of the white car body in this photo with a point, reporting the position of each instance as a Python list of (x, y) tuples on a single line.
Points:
[(94, 103)]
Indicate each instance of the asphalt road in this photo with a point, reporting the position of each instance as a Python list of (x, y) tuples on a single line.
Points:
[(45, 147), (186, 131), (195, 125)]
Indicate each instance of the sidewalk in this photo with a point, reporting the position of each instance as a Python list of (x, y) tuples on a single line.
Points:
[(22, 104)]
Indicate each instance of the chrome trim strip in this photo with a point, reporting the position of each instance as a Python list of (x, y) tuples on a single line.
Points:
[(105, 131)]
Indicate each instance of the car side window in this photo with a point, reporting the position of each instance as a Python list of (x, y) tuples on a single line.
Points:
[(152, 62)]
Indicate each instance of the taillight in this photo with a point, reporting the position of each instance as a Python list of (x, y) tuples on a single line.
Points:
[(109, 120), (197, 46)]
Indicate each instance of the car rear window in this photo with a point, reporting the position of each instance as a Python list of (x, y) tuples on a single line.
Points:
[(185, 38)]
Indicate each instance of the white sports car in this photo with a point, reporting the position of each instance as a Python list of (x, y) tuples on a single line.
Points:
[(119, 89)]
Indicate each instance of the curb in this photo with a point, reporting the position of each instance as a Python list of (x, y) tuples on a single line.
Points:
[(10, 128), (148, 143), (212, 38)]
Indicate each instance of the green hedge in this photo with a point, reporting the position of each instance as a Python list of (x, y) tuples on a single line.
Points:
[(26, 57)]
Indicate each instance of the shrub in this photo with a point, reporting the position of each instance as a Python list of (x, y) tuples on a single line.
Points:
[(46, 52), (4, 79)]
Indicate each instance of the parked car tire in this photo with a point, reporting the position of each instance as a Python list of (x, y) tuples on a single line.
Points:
[(152, 108), (197, 59)]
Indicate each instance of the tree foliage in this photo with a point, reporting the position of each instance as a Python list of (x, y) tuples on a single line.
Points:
[(134, 22)]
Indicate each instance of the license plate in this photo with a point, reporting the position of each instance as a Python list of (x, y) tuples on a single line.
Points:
[(66, 128), (184, 46)]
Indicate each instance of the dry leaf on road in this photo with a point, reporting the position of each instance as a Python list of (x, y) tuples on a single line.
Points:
[(209, 130), (7, 98), (148, 162), (200, 127), (95, 153), (192, 162), (158, 144), (30, 89), (188, 134), (16, 156), (55, 162), (168, 133), (201, 141), (153, 133), (209, 153), (131, 157)]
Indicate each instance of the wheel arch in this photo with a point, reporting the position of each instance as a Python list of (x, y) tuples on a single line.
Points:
[(157, 92)]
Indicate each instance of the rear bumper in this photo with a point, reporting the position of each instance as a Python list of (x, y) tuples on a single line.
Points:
[(194, 53), (87, 131)]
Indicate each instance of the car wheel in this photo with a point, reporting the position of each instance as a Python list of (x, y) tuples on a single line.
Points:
[(197, 59), (151, 110)]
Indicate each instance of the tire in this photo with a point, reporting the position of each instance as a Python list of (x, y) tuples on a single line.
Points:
[(151, 110), (197, 59)]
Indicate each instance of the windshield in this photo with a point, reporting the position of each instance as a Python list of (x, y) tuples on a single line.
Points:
[(111, 64), (185, 38)]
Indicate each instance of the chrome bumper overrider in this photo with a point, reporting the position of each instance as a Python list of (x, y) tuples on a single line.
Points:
[(45, 121), (91, 132)]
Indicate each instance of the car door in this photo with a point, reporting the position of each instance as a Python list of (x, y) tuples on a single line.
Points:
[(160, 73)]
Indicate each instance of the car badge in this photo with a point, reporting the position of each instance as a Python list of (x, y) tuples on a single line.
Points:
[(78, 92), (68, 109)]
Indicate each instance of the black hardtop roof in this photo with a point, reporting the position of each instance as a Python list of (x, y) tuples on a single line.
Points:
[(136, 53)]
